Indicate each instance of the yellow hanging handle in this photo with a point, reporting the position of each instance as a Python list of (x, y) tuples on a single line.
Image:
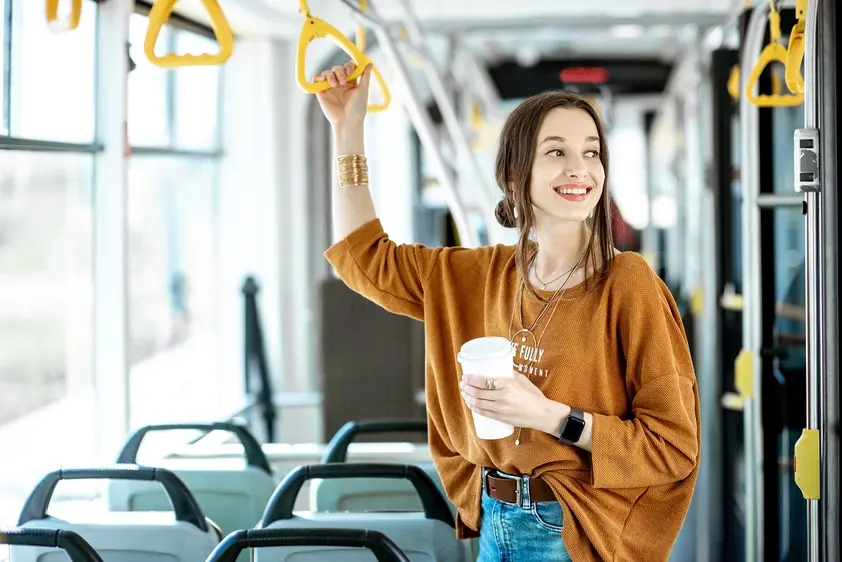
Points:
[(744, 374), (66, 25), (773, 52), (316, 28), (795, 50), (387, 95), (160, 14)]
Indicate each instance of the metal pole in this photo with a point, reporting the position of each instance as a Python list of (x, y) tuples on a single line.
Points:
[(814, 264), (487, 196), (829, 483), (752, 329), (421, 121)]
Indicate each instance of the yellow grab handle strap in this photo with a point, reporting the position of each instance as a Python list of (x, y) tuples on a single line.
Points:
[(773, 52), (160, 14), (795, 50), (315, 28), (66, 25), (387, 95)]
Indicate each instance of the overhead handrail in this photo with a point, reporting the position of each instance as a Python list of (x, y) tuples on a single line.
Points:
[(64, 25), (317, 28), (795, 49), (771, 53), (160, 13)]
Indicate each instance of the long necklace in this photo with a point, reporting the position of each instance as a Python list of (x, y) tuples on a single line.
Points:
[(527, 333)]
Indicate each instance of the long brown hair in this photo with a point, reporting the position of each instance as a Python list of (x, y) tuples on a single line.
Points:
[(513, 170)]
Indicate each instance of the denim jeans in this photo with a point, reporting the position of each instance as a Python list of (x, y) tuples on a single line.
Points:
[(509, 533)]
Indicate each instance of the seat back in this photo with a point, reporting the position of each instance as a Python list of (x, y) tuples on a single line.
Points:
[(232, 496), (181, 536), (75, 547), (304, 545), (361, 494), (427, 535)]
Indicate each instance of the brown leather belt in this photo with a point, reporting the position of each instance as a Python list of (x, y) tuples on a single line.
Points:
[(509, 489)]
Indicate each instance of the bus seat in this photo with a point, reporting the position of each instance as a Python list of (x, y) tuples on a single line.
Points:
[(311, 545), (230, 494), (361, 494), (426, 535), (184, 535)]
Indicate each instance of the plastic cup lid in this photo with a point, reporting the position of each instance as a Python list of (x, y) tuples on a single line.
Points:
[(483, 349)]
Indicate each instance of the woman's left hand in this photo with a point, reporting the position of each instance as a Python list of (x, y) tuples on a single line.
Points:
[(515, 401)]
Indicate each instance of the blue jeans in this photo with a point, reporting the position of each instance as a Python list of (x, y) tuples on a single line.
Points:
[(509, 533)]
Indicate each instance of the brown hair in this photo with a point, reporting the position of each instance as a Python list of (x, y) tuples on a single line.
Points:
[(513, 169)]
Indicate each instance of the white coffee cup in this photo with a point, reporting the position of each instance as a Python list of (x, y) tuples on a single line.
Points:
[(488, 357)]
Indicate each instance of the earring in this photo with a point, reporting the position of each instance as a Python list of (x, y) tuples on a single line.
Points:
[(514, 211)]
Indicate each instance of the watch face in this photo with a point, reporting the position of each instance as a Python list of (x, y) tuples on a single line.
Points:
[(572, 429)]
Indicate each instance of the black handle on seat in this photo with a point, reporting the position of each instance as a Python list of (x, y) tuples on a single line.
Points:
[(382, 546), (184, 504), (281, 503), (337, 448), (77, 548), (254, 453)]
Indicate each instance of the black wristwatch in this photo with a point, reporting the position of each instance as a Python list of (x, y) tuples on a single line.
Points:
[(571, 427)]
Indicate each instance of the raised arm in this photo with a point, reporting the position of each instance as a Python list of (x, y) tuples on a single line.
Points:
[(389, 274), (344, 105)]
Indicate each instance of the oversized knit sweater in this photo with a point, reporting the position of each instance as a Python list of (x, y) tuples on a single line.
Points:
[(616, 349)]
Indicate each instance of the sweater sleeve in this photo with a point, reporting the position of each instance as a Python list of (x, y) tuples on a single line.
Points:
[(389, 274), (660, 443)]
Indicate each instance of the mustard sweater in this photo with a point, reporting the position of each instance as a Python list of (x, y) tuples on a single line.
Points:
[(617, 350)]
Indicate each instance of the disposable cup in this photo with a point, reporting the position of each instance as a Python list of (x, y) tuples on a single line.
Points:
[(488, 357)]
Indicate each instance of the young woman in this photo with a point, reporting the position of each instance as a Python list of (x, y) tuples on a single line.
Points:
[(604, 458)]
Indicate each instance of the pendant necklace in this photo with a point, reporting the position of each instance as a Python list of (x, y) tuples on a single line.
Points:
[(527, 333)]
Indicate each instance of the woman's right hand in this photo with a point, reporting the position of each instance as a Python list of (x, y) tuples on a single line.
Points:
[(344, 103)]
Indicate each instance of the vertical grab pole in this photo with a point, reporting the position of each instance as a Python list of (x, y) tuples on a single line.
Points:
[(808, 450), (752, 426), (451, 121), (421, 121)]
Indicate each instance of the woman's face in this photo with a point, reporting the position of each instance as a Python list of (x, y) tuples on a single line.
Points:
[(567, 173)]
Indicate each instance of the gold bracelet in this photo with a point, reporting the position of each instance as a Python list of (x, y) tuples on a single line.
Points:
[(353, 170)]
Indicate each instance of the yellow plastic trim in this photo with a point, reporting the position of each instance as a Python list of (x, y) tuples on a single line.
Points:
[(806, 464), (773, 52), (697, 302), (160, 14), (66, 25), (734, 82), (744, 374), (316, 28)]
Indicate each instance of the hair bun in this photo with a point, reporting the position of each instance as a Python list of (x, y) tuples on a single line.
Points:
[(504, 213)]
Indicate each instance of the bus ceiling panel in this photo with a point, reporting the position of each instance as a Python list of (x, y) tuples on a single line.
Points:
[(514, 81)]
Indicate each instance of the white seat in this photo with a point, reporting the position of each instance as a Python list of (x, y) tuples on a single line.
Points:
[(370, 494), (427, 535), (183, 535), (305, 545), (230, 494)]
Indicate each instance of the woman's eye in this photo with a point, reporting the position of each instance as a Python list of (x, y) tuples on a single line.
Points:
[(592, 153), (555, 152)]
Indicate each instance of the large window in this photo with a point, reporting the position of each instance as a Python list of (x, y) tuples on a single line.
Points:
[(52, 75), (46, 293), (173, 129), (172, 268)]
